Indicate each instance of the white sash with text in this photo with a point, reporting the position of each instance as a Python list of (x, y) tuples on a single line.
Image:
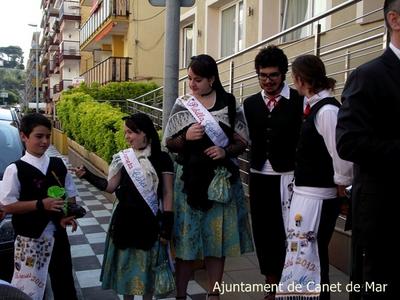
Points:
[(135, 172), (203, 116)]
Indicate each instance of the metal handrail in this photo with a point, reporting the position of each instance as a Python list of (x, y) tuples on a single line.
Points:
[(246, 81)]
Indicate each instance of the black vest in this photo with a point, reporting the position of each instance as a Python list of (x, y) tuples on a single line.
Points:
[(314, 166), (274, 135), (34, 185), (133, 224)]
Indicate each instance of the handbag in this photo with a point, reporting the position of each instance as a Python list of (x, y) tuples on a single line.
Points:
[(164, 282), (219, 188)]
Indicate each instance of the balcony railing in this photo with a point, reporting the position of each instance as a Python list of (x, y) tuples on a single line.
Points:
[(70, 10), (112, 69), (107, 9), (69, 49)]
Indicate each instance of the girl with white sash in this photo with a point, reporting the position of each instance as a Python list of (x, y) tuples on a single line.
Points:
[(320, 179), (208, 132), (141, 177)]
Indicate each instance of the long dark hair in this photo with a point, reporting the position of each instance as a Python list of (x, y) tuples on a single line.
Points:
[(142, 122), (311, 70), (205, 66)]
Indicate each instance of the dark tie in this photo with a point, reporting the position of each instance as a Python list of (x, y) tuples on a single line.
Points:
[(307, 110)]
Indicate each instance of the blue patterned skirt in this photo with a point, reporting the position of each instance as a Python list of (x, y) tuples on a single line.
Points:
[(224, 230), (128, 271)]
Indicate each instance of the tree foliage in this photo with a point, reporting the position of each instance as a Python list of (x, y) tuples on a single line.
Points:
[(13, 82), (13, 57)]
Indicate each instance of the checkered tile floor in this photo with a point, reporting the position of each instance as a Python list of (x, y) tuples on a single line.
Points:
[(87, 242)]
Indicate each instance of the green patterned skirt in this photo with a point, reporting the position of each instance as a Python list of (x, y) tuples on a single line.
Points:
[(223, 230), (129, 271)]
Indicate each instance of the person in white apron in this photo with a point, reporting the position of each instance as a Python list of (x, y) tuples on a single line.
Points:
[(320, 179), (41, 245)]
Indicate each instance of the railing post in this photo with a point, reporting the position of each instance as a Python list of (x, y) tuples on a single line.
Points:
[(184, 87), (346, 65), (317, 39), (113, 69), (126, 69), (241, 93), (231, 76)]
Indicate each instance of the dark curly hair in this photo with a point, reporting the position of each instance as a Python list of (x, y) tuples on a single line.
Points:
[(271, 56)]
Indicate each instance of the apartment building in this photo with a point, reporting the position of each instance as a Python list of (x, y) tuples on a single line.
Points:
[(59, 44), (30, 81), (121, 40), (232, 31)]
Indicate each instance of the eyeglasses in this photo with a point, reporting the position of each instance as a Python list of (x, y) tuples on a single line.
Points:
[(270, 76)]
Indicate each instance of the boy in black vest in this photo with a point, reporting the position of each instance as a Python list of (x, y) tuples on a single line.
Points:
[(41, 239), (274, 118)]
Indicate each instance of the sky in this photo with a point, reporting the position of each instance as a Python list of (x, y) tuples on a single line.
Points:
[(15, 15)]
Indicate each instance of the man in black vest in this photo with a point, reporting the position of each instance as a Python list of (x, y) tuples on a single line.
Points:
[(274, 118), (368, 134), (37, 218)]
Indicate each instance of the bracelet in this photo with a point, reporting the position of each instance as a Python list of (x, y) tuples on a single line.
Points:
[(39, 204)]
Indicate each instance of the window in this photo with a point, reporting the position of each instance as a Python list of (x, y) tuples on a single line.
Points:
[(297, 11), (232, 29), (187, 34)]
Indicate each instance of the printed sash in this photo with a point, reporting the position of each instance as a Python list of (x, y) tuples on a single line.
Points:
[(31, 264), (135, 172), (301, 272), (203, 116)]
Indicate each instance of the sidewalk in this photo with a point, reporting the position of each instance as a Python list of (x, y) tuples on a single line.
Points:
[(87, 245)]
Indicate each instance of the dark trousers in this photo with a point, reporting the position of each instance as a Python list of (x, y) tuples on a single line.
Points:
[(60, 268), (330, 212), (374, 268), (267, 222)]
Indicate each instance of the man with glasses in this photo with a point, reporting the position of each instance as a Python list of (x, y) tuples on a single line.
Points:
[(274, 117), (368, 134)]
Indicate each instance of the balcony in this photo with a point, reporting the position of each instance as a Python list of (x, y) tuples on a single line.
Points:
[(69, 50), (69, 10), (109, 18), (112, 69), (64, 84), (56, 88)]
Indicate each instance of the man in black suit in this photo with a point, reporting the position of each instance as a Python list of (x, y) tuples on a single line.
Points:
[(274, 117), (368, 134)]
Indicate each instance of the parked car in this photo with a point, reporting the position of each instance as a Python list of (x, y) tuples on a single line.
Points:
[(11, 149), (10, 114)]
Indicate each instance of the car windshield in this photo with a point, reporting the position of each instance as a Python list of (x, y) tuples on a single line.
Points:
[(10, 146), (5, 114)]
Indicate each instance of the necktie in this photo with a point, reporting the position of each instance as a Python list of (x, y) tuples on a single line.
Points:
[(307, 110), (271, 103)]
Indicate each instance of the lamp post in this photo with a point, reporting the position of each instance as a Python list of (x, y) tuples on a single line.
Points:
[(37, 64)]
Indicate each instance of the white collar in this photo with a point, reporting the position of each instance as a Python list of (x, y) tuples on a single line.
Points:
[(40, 163), (319, 96), (285, 92), (395, 50)]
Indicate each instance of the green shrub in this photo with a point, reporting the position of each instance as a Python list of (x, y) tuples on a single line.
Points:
[(96, 126)]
